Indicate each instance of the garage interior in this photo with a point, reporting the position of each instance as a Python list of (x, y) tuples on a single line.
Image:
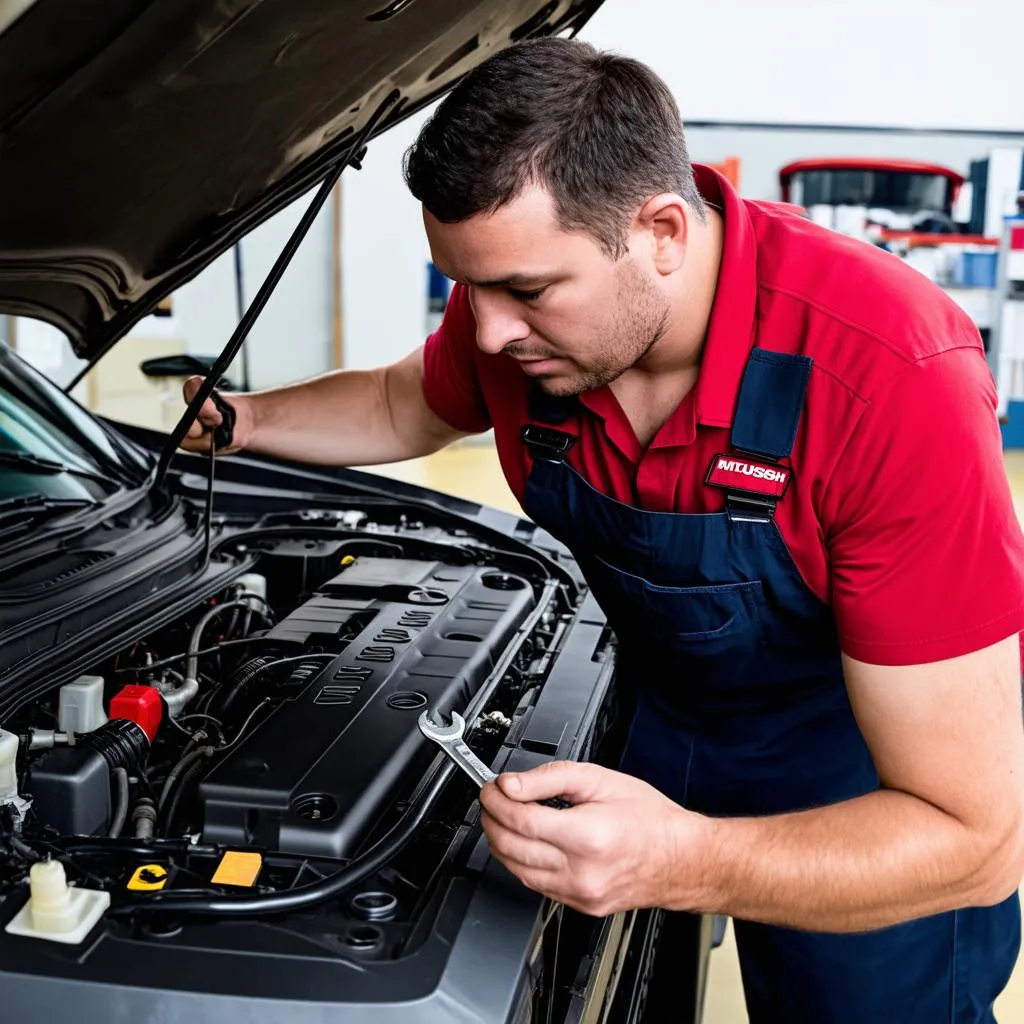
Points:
[(837, 108)]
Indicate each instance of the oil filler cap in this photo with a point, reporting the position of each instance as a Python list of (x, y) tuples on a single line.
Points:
[(148, 878)]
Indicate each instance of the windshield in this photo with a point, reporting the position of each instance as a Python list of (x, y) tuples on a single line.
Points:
[(49, 446), (899, 191)]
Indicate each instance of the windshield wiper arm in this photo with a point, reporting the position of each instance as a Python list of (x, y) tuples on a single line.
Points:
[(29, 505), (36, 464)]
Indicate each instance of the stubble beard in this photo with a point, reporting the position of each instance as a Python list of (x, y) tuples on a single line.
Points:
[(638, 325)]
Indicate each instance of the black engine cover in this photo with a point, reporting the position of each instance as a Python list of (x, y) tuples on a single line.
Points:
[(316, 776)]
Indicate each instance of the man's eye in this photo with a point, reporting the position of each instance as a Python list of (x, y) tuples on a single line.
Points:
[(526, 296)]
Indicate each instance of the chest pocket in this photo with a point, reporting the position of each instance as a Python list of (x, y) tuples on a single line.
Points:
[(702, 621)]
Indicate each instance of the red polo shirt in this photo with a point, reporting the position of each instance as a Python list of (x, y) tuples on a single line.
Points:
[(899, 512)]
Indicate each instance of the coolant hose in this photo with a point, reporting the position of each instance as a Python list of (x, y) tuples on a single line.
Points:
[(192, 664), (179, 769), (121, 808), (195, 769), (144, 818)]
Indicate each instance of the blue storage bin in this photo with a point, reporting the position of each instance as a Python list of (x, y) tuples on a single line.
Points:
[(1013, 430), (976, 269)]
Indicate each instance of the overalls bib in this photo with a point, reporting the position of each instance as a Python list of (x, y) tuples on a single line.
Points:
[(740, 708)]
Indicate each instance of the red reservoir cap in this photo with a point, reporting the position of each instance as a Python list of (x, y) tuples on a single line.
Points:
[(139, 704)]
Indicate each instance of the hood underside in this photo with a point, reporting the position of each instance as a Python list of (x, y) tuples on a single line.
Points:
[(140, 139)]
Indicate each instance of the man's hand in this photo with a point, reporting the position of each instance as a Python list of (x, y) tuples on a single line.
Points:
[(621, 846), (945, 830), (200, 432)]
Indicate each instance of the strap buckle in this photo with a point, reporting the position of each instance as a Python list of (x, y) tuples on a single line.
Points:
[(749, 508), (753, 485), (545, 443)]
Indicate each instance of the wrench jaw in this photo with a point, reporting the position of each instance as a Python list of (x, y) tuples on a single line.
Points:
[(449, 739), (441, 733)]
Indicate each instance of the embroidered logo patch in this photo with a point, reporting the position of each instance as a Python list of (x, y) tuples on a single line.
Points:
[(736, 473)]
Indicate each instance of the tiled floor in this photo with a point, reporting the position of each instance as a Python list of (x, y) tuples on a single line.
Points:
[(471, 471)]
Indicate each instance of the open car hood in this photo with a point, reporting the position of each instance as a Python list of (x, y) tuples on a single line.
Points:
[(140, 139)]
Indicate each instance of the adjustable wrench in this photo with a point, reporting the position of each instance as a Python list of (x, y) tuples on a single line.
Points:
[(449, 739)]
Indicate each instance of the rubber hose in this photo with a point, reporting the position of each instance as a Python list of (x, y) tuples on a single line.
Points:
[(192, 662), (102, 846), (144, 818), (121, 742), (306, 895), (241, 678), (232, 696), (24, 849), (179, 768), (187, 776), (121, 812)]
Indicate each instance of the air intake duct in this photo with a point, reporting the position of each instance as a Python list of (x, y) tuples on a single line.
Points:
[(122, 743)]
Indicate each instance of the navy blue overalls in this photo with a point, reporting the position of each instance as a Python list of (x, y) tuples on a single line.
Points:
[(740, 708)]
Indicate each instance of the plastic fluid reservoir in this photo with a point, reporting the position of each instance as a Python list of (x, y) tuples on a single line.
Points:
[(8, 766), (252, 583), (80, 708), (9, 795), (55, 910)]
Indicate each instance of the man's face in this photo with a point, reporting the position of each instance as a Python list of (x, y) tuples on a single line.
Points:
[(572, 317)]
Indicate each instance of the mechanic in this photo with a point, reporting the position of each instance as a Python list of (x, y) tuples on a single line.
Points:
[(774, 452)]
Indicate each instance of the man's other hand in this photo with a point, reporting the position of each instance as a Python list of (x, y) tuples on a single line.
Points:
[(200, 431), (621, 846)]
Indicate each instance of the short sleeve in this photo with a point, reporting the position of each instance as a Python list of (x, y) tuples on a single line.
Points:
[(926, 552), (451, 386)]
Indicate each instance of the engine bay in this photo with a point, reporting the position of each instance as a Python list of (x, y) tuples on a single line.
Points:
[(259, 756)]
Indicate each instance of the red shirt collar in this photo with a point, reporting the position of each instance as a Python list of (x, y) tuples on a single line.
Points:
[(732, 329)]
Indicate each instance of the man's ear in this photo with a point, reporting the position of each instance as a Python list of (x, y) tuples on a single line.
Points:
[(664, 224)]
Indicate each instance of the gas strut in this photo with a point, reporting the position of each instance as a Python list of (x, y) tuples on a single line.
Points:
[(245, 325)]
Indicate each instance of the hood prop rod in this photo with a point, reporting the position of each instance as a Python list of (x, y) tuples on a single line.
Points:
[(256, 307)]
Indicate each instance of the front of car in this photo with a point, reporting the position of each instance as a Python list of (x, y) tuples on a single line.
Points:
[(214, 797)]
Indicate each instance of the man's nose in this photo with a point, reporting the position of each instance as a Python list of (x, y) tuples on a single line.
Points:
[(499, 321)]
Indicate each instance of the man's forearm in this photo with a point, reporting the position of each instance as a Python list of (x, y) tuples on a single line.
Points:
[(349, 418), (336, 419), (858, 865)]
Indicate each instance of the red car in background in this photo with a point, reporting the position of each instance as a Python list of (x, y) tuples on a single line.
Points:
[(906, 188)]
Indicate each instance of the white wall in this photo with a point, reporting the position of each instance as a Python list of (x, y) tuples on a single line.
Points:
[(291, 340), (384, 254), (908, 63)]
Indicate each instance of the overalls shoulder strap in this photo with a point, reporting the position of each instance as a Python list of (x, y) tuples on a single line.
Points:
[(768, 408), (770, 401)]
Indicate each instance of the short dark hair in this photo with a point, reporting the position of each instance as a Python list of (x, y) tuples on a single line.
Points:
[(601, 132)]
